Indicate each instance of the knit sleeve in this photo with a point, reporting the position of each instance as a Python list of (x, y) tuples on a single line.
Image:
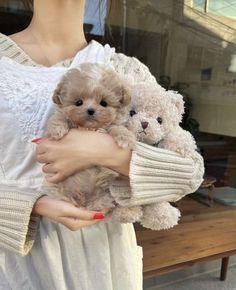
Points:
[(18, 226), (156, 174)]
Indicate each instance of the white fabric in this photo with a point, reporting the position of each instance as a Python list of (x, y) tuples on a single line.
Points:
[(101, 257)]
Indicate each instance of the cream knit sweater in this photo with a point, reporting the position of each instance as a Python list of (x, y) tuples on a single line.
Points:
[(152, 170)]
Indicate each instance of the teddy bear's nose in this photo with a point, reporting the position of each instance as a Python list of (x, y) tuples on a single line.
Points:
[(144, 125)]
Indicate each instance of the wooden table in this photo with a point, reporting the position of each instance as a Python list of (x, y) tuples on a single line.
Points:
[(204, 234)]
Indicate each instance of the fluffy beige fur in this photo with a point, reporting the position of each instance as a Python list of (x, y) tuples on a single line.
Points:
[(155, 115), (97, 98), (92, 97)]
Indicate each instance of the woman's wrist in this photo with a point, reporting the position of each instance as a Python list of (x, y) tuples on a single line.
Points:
[(39, 205), (117, 159), (122, 161)]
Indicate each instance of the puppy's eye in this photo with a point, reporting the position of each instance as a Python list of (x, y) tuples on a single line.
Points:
[(103, 103), (159, 120), (132, 113), (79, 103)]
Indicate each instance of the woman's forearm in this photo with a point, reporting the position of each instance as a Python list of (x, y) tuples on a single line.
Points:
[(157, 174), (118, 160), (79, 150)]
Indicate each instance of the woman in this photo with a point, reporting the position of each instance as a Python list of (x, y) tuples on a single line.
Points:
[(95, 255)]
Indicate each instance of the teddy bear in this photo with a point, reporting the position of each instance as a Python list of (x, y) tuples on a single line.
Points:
[(155, 115)]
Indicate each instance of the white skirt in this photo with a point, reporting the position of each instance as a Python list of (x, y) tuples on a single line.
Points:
[(104, 256)]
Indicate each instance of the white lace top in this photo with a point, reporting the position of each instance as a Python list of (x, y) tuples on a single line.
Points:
[(26, 105)]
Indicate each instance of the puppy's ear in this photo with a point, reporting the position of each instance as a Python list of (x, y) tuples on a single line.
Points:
[(125, 97), (57, 96), (60, 91)]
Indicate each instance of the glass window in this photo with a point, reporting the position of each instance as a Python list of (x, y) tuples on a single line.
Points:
[(199, 4), (95, 16), (195, 54), (225, 8), (186, 50), (13, 16)]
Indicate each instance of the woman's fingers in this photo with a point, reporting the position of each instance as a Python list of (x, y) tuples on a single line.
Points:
[(52, 174), (49, 169), (56, 209), (41, 158), (55, 178), (45, 146), (76, 224), (82, 214)]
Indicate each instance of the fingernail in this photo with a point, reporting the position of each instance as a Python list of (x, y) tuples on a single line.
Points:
[(99, 216), (37, 140)]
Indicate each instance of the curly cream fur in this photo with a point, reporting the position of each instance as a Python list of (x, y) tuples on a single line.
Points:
[(154, 119), (92, 97), (155, 115)]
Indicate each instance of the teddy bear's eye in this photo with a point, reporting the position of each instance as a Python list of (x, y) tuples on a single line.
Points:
[(159, 120), (103, 103), (79, 103), (132, 113)]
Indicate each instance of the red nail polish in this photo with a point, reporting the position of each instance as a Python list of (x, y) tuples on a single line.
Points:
[(99, 216), (37, 140)]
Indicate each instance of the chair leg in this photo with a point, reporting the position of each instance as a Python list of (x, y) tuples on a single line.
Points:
[(224, 267)]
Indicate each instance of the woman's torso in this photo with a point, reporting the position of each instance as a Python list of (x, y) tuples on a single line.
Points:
[(102, 257)]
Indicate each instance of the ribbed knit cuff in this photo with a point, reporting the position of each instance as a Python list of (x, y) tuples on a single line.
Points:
[(157, 174), (18, 227), (121, 187)]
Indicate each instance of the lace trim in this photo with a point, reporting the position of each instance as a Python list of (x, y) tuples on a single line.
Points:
[(28, 89), (28, 98)]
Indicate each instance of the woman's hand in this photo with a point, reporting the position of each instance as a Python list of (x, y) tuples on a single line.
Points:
[(79, 150), (66, 213)]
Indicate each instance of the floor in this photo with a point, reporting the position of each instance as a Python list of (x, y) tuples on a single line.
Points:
[(199, 277)]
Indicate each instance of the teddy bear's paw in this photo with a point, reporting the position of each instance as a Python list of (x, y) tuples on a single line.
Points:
[(127, 214), (187, 152), (178, 149), (160, 216)]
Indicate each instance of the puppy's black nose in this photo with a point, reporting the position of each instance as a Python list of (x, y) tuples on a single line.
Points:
[(144, 125), (91, 112)]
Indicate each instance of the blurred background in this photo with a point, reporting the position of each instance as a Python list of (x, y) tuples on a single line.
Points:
[(189, 46)]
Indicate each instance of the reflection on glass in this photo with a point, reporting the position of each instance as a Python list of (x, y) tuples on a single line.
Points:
[(192, 50), (222, 7), (226, 8), (199, 4), (189, 46)]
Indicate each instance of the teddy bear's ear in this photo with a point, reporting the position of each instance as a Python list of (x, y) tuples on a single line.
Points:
[(178, 101), (125, 97)]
